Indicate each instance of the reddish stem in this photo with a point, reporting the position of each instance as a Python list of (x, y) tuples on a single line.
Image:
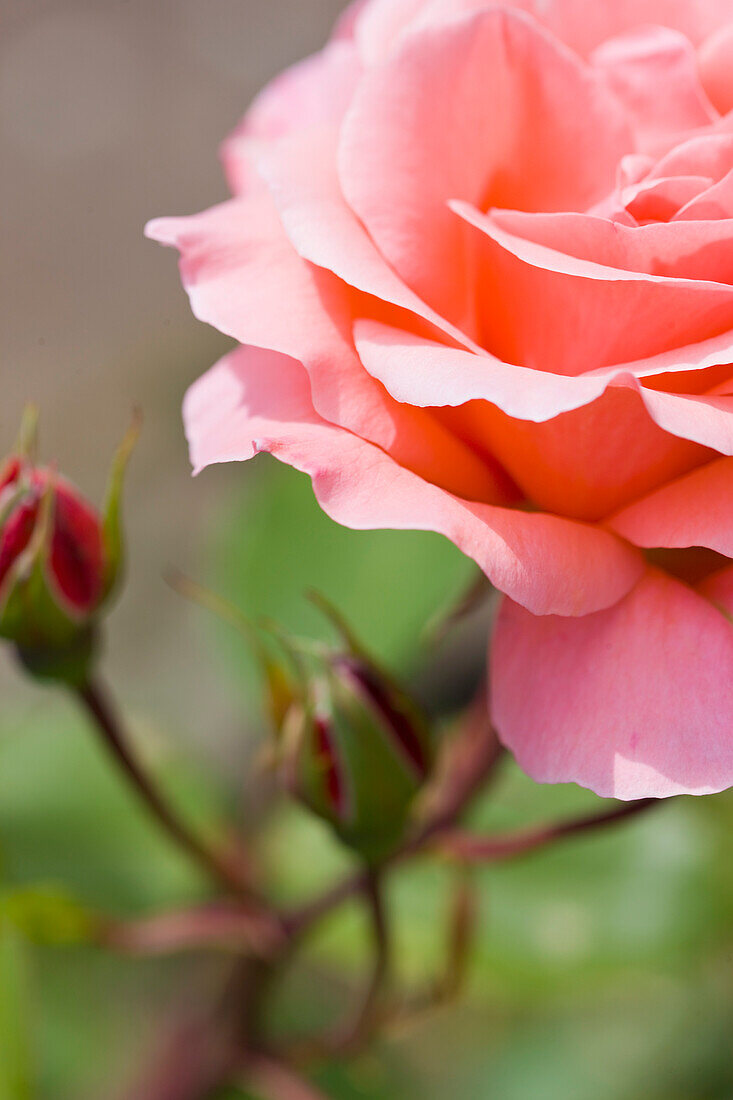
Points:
[(223, 925), (275, 1080), (226, 870), (470, 848)]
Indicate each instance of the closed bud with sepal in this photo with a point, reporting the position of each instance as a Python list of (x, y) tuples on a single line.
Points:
[(356, 750), (59, 560)]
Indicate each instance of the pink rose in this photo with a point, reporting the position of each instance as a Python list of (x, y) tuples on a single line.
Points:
[(480, 265)]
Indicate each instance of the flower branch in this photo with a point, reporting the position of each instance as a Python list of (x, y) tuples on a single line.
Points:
[(223, 867), (472, 848)]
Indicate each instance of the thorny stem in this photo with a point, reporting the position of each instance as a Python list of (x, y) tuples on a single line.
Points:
[(225, 869)]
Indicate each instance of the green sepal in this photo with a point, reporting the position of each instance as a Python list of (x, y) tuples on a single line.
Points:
[(383, 787), (70, 663), (339, 623), (399, 697), (51, 642), (27, 445), (377, 784), (112, 533), (30, 612)]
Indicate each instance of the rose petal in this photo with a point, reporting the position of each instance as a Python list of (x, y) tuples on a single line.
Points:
[(639, 63), (590, 461), (316, 90), (695, 510), (425, 373), (301, 174), (708, 154), (698, 250), (626, 701), (696, 359), (718, 588), (380, 25), (716, 67), (347, 22), (581, 24), (706, 420), (243, 276), (659, 200), (584, 314), (714, 204), (546, 563), (459, 112)]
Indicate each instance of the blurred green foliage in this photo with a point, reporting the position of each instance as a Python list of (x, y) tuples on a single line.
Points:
[(15, 1053), (603, 968)]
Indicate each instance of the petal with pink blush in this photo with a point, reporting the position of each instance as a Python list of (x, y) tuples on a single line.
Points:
[(226, 409), (310, 93), (660, 199), (301, 174), (425, 373), (585, 315), (695, 510), (707, 154), (715, 204), (699, 359), (703, 419), (628, 701), (381, 24), (581, 24), (590, 461), (547, 563), (584, 25), (639, 63), (347, 22), (697, 250), (243, 276), (716, 67), (425, 128), (718, 588)]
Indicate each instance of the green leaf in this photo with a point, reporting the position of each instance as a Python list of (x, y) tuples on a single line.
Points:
[(15, 1058)]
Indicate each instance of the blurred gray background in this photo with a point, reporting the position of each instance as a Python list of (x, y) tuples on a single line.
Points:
[(112, 112)]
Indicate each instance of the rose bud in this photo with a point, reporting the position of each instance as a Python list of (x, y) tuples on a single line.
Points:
[(59, 560), (356, 751)]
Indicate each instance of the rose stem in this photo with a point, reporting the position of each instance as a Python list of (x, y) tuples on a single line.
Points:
[(360, 1028), (218, 865), (470, 848), (276, 1080)]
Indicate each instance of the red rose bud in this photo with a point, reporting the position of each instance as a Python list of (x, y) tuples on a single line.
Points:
[(356, 751), (59, 559)]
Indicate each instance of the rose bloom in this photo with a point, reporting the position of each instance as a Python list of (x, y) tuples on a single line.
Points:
[(479, 266)]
